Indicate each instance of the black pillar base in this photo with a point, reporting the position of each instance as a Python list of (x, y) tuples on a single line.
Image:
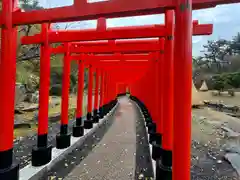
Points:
[(6, 158), (149, 123), (152, 136), (78, 131), (163, 172), (10, 173), (156, 151), (144, 111), (121, 95), (41, 155), (106, 109), (146, 115), (100, 112), (157, 147), (89, 116), (63, 141), (164, 166), (95, 112), (88, 124), (148, 120), (96, 118), (152, 127), (79, 121)]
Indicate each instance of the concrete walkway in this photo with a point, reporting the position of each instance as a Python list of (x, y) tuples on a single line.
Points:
[(114, 156)]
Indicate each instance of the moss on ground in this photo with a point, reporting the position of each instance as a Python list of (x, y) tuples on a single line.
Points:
[(28, 116)]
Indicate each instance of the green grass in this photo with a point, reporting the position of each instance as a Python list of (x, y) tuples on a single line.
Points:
[(22, 132)]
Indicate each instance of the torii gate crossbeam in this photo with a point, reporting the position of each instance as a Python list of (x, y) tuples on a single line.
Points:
[(81, 10), (110, 33)]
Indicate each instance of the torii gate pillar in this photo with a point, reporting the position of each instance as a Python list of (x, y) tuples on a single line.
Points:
[(164, 161), (182, 96), (78, 129), (8, 168), (88, 124), (96, 98)]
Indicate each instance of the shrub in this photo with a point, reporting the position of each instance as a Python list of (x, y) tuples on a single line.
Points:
[(226, 80), (56, 90), (219, 85), (235, 80)]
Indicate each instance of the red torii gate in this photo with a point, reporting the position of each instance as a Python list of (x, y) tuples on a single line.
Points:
[(122, 69), (66, 48), (82, 11), (113, 68), (63, 140), (128, 46), (84, 47), (150, 31), (126, 66), (110, 59), (90, 96)]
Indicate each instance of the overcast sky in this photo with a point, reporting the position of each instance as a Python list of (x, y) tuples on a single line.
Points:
[(225, 19)]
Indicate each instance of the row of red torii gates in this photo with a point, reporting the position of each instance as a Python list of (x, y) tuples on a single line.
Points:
[(157, 72)]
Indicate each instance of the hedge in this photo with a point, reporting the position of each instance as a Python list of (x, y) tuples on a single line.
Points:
[(226, 81)]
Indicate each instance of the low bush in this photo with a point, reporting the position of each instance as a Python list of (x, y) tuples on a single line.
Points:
[(56, 90), (226, 81)]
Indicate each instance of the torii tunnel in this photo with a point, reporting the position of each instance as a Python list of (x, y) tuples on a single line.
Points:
[(119, 61)]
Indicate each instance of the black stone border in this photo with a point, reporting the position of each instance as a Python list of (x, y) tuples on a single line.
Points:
[(62, 168), (143, 156)]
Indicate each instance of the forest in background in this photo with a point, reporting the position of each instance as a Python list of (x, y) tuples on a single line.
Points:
[(219, 65)]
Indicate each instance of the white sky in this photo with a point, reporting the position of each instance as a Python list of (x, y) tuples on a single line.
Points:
[(220, 16)]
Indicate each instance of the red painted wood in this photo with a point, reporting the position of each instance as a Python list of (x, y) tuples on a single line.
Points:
[(93, 35), (161, 87), (44, 84), (182, 95), (79, 111), (7, 77), (90, 89), (110, 58), (127, 48), (96, 96), (65, 87), (150, 31), (102, 89), (109, 9), (167, 108)]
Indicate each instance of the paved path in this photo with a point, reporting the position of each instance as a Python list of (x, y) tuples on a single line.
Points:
[(114, 156)]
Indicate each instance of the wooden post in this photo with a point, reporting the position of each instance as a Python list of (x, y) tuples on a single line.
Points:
[(182, 90), (63, 140), (42, 153), (96, 98), (164, 165), (88, 124), (78, 129), (8, 167)]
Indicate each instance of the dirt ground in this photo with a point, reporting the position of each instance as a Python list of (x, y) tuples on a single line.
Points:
[(209, 139), (224, 97)]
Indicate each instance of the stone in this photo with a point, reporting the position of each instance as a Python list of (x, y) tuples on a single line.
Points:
[(230, 133), (234, 159)]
